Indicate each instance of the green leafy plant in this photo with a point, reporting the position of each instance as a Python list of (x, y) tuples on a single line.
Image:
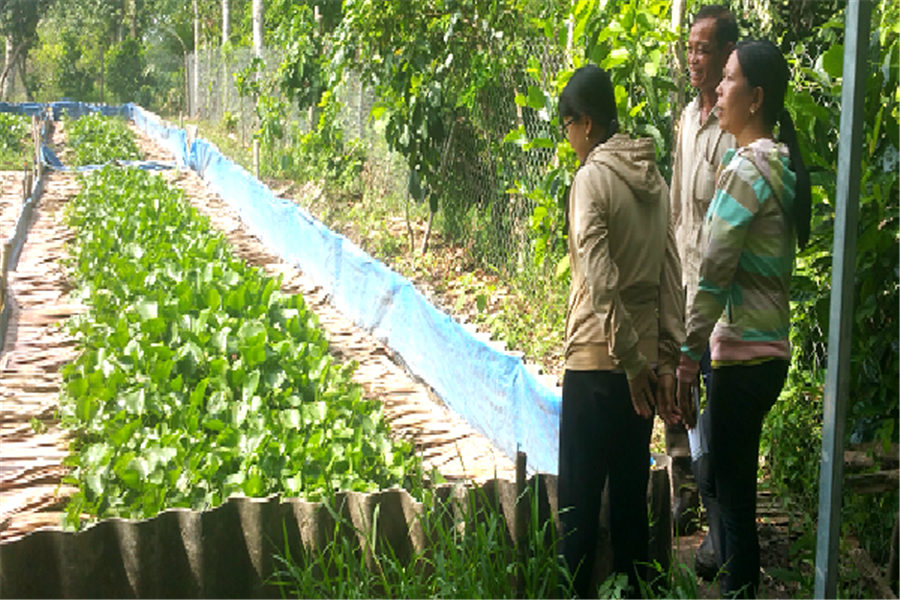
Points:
[(14, 136), (198, 378), (324, 154), (97, 140)]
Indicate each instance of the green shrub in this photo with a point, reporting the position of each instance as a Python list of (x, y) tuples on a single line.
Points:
[(14, 139)]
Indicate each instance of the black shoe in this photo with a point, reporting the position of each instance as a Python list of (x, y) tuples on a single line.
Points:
[(705, 561)]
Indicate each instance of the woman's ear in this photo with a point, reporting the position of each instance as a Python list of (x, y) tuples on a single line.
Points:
[(756, 102), (588, 126)]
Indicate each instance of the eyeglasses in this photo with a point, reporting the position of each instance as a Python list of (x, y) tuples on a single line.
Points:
[(564, 128)]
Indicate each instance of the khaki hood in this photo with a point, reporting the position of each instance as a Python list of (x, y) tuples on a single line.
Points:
[(634, 162)]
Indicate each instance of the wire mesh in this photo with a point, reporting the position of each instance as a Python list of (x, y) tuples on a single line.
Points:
[(476, 209)]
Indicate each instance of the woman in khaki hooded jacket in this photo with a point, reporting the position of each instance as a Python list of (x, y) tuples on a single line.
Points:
[(624, 329)]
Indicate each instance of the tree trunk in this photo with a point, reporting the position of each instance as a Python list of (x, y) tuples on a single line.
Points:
[(102, 71), (135, 9), (226, 21), (678, 7), (226, 36), (195, 96), (9, 69), (258, 11), (893, 559), (28, 96)]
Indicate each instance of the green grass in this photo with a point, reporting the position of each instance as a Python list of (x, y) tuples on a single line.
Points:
[(468, 553)]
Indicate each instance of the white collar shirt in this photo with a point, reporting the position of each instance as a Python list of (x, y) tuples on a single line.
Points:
[(698, 152)]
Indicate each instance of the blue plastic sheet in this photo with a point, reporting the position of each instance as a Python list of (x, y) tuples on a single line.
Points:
[(76, 110), (51, 161), (25, 108), (171, 138)]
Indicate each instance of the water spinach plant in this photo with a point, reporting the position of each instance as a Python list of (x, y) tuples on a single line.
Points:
[(198, 379), (14, 131), (97, 140)]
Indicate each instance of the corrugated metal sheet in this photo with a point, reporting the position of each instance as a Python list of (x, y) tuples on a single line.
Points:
[(229, 551)]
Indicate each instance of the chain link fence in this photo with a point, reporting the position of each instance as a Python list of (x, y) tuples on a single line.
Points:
[(475, 209)]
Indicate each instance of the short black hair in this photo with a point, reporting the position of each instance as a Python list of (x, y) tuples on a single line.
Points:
[(726, 24), (590, 92)]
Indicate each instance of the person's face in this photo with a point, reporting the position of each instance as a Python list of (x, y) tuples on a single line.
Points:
[(705, 59), (577, 130), (736, 101)]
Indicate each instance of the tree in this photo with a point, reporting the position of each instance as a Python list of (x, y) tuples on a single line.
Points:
[(18, 25), (258, 20), (126, 73)]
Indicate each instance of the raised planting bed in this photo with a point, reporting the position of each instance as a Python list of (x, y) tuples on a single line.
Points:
[(96, 140), (198, 378)]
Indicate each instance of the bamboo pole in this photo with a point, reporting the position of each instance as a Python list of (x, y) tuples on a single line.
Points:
[(5, 251), (521, 516)]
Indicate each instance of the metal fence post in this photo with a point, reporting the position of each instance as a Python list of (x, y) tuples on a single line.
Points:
[(858, 19)]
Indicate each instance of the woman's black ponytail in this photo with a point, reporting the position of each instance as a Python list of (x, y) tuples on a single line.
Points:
[(764, 66), (802, 209)]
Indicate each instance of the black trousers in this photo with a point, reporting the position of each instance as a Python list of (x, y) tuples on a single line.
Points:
[(740, 396), (601, 436)]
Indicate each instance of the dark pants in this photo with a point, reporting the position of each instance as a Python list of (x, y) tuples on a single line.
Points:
[(740, 396), (600, 435)]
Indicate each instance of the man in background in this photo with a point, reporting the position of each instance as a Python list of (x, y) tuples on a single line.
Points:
[(699, 148)]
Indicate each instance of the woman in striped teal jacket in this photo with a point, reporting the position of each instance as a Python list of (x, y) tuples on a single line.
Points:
[(760, 211)]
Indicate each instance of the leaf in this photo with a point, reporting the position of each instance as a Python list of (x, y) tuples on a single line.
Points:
[(121, 435), (313, 412), (536, 98), (134, 402), (253, 485), (147, 309), (251, 382), (542, 142), (516, 136), (833, 61), (290, 418), (219, 339), (619, 56), (214, 424), (562, 267), (85, 408), (199, 393), (250, 331)]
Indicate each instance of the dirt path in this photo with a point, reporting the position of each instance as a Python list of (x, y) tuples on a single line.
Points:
[(32, 446)]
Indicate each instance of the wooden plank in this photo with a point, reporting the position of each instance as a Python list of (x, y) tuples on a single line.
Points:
[(873, 483), (868, 571)]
